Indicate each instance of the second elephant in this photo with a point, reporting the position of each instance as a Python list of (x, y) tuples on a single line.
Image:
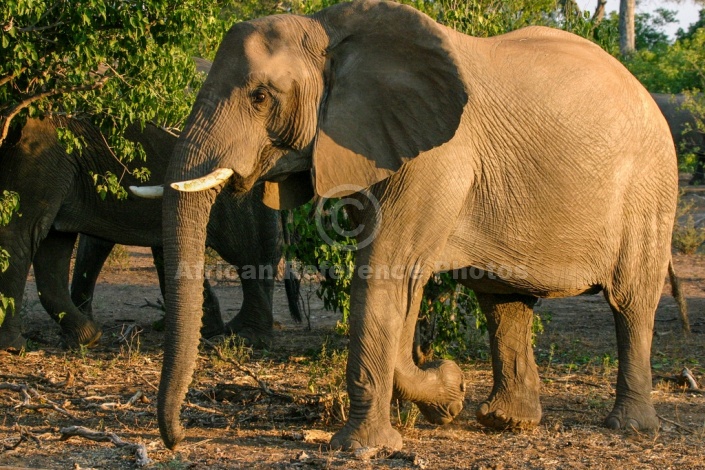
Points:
[(684, 129), (58, 200)]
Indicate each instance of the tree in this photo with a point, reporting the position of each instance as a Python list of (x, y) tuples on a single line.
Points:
[(627, 36), (111, 61)]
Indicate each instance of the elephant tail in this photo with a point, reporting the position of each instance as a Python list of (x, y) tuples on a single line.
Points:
[(292, 282), (677, 292)]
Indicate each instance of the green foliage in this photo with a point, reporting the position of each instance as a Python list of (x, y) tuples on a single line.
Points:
[(673, 69), (452, 315), (316, 255), (688, 238), (9, 206), (112, 60), (486, 18), (326, 376)]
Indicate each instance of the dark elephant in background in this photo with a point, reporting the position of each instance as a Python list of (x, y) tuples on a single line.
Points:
[(58, 200), (686, 135), (476, 156)]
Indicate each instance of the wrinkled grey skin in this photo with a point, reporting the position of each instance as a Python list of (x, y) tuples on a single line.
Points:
[(533, 156), (684, 129), (58, 200)]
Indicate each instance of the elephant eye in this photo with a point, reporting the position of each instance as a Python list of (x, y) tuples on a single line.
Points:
[(259, 96)]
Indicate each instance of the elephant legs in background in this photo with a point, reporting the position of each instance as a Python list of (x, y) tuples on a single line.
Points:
[(254, 322), (212, 319), (90, 257), (514, 400), (51, 269), (12, 284)]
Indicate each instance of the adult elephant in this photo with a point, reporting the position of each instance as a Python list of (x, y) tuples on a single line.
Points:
[(59, 200), (684, 128), (532, 162)]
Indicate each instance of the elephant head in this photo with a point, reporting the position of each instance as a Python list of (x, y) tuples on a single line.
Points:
[(306, 104)]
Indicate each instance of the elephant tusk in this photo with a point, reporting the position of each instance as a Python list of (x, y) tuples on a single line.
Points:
[(148, 192), (211, 180)]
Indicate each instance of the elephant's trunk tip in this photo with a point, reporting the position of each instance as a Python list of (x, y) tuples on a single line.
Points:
[(172, 437)]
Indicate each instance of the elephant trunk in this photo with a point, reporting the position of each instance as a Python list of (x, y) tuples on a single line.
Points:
[(185, 216)]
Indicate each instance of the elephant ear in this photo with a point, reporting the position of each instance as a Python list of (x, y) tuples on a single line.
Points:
[(290, 193), (392, 91)]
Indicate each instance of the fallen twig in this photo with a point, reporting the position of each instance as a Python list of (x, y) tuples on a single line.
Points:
[(128, 334), (25, 436), (139, 449), (112, 406), (687, 377), (262, 384), (684, 379), (678, 425), (159, 305), (27, 392)]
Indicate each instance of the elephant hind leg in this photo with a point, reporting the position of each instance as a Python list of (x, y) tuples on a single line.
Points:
[(634, 320), (514, 400), (51, 269)]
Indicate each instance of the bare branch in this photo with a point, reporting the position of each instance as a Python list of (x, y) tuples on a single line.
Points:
[(27, 393), (15, 110), (30, 29), (139, 449), (9, 78)]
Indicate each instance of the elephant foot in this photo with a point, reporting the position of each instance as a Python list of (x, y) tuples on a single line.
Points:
[(450, 395), (353, 437), (632, 415), (519, 409), (11, 339), (85, 335), (254, 336), (209, 330)]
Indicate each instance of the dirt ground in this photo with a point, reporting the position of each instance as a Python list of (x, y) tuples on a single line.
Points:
[(233, 421)]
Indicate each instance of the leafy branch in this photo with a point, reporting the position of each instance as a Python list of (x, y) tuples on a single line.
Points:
[(9, 115)]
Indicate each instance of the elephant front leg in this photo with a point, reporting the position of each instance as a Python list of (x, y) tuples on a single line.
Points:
[(375, 326), (91, 255), (438, 387), (12, 285), (514, 400), (51, 269)]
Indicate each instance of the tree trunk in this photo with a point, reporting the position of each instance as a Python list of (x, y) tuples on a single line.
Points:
[(627, 38), (599, 14)]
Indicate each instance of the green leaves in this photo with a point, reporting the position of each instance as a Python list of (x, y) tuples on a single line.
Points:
[(9, 205), (108, 183), (113, 60)]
